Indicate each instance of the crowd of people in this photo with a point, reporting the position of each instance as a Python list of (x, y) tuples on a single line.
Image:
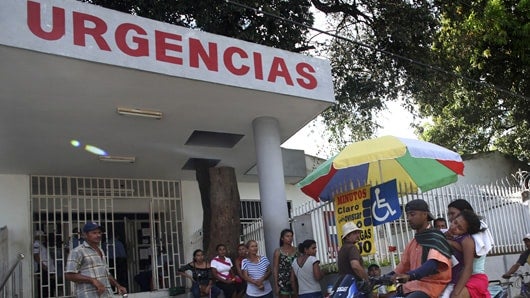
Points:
[(294, 271), (446, 258)]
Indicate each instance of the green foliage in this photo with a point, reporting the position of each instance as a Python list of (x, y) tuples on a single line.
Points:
[(223, 18), (365, 76), (329, 268), (486, 41)]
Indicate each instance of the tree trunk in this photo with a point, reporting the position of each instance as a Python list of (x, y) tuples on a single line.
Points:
[(225, 203), (203, 179)]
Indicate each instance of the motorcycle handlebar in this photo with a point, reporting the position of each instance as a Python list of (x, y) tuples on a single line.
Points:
[(382, 280)]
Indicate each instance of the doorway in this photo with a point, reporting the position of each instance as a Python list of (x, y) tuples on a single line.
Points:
[(142, 220)]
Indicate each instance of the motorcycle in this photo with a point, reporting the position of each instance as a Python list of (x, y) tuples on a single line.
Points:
[(348, 286)]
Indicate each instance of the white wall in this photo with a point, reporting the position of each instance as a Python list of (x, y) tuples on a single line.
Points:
[(192, 214), (489, 167), (15, 214)]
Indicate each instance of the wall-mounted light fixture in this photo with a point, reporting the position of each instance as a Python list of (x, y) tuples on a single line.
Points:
[(139, 113), (116, 158)]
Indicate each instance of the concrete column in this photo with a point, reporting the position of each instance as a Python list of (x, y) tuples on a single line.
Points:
[(271, 181)]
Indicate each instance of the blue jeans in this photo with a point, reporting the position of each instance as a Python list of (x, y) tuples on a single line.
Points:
[(196, 291)]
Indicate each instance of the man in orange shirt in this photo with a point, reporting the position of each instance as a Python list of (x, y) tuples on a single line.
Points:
[(425, 267)]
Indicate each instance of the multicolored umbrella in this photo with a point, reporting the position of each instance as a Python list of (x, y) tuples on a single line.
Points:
[(421, 164)]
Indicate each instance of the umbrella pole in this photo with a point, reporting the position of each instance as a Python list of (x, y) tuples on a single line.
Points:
[(387, 225)]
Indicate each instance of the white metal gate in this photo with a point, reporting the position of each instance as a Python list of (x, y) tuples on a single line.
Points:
[(166, 217), (154, 244)]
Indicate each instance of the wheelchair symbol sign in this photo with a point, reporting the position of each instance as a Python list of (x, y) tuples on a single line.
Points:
[(385, 203)]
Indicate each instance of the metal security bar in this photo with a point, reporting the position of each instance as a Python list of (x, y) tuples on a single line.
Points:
[(254, 231), (168, 243), (55, 215)]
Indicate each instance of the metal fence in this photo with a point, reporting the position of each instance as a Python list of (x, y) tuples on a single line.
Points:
[(503, 205), (11, 282)]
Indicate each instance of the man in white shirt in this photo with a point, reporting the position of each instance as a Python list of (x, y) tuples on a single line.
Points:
[(44, 265)]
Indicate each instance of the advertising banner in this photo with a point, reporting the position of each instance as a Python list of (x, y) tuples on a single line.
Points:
[(355, 206)]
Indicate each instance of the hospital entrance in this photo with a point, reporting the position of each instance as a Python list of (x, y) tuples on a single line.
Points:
[(142, 222)]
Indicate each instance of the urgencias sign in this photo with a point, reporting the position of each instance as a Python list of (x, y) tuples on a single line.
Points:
[(89, 32)]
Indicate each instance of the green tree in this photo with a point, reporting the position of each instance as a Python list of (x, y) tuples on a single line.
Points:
[(463, 64), (367, 53), (485, 42), (223, 18)]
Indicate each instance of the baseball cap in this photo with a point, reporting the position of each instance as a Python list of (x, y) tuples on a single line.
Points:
[(527, 236), (419, 205), (91, 226), (348, 228)]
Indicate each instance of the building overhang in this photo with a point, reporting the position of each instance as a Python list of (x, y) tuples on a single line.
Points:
[(68, 66)]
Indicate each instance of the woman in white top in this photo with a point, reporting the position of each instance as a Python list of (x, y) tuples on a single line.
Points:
[(256, 271), (305, 271), (223, 271)]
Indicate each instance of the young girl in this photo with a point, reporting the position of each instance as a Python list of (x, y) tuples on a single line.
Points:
[(305, 271), (281, 269), (471, 281)]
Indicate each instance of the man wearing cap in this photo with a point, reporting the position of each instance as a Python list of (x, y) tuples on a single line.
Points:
[(425, 267), (523, 258), (349, 259), (86, 266)]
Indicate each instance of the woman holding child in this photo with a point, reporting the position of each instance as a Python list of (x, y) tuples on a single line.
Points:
[(466, 229)]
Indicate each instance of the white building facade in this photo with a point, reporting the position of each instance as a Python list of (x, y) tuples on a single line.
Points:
[(71, 69)]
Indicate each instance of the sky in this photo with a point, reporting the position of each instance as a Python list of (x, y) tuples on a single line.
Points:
[(395, 121)]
